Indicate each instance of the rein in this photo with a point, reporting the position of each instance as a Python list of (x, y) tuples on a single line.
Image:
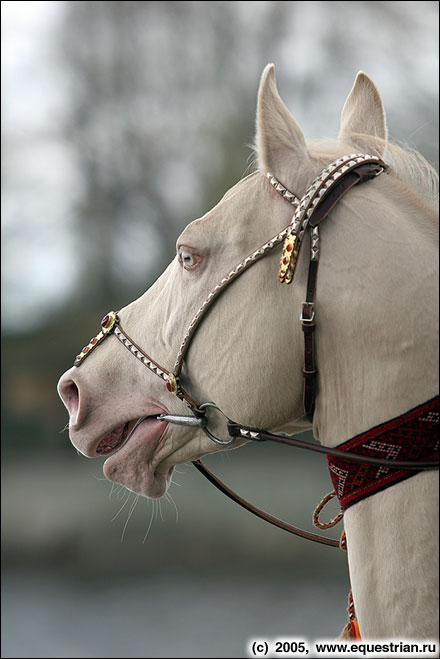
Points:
[(321, 197)]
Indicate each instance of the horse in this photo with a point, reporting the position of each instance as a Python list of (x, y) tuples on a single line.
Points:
[(375, 343)]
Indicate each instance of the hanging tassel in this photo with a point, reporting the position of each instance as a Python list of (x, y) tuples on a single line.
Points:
[(354, 626), (351, 629), (355, 630)]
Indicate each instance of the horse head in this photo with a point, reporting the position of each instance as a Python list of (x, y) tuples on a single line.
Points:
[(246, 355)]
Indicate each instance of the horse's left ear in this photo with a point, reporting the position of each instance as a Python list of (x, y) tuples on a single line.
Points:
[(363, 114)]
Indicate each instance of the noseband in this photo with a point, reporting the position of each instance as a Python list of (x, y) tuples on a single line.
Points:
[(309, 211)]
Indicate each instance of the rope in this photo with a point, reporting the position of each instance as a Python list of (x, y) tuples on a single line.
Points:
[(324, 501), (351, 630)]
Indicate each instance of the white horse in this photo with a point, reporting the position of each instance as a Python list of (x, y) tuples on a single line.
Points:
[(376, 344)]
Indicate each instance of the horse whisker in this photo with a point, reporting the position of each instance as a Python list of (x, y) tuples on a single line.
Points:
[(122, 507), (133, 506), (149, 525), (120, 492), (160, 509), (171, 501)]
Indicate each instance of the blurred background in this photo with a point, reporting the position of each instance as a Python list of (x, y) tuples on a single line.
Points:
[(122, 121)]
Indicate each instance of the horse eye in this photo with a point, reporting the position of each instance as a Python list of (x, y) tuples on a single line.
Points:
[(187, 259)]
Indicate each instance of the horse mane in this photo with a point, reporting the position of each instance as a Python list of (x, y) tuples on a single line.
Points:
[(406, 164)]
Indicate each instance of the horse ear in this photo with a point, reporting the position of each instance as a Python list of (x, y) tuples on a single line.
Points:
[(363, 114), (279, 139)]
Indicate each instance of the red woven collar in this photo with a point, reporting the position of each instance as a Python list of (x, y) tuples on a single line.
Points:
[(411, 436)]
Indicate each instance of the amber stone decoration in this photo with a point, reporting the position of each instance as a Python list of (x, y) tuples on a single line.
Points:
[(108, 322), (288, 259), (171, 384)]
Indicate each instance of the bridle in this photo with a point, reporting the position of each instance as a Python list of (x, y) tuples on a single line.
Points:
[(309, 211)]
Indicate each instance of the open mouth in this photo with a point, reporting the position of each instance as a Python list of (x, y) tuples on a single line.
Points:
[(113, 440), (119, 436)]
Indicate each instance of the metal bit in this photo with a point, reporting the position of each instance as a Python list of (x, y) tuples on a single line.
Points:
[(191, 421)]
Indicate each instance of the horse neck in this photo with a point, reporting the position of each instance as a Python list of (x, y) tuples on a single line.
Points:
[(377, 358), (376, 337)]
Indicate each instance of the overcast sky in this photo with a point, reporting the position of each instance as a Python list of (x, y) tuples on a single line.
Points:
[(37, 264), (40, 179)]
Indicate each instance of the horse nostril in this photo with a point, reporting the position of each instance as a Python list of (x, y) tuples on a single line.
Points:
[(69, 394)]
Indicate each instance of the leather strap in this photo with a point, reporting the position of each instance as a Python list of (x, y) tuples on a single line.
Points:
[(361, 173), (308, 326), (244, 432), (220, 485)]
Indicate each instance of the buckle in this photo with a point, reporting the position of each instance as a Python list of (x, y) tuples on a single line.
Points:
[(311, 306)]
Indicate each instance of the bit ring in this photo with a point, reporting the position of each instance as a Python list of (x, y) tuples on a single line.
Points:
[(209, 434)]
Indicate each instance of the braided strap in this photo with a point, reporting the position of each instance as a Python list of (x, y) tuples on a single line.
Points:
[(324, 501), (283, 191)]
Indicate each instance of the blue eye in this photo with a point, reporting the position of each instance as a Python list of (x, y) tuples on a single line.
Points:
[(187, 259)]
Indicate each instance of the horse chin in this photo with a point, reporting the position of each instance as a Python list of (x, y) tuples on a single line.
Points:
[(133, 464), (145, 482), (141, 480)]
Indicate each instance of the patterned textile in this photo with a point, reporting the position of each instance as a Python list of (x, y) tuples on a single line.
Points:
[(412, 436)]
